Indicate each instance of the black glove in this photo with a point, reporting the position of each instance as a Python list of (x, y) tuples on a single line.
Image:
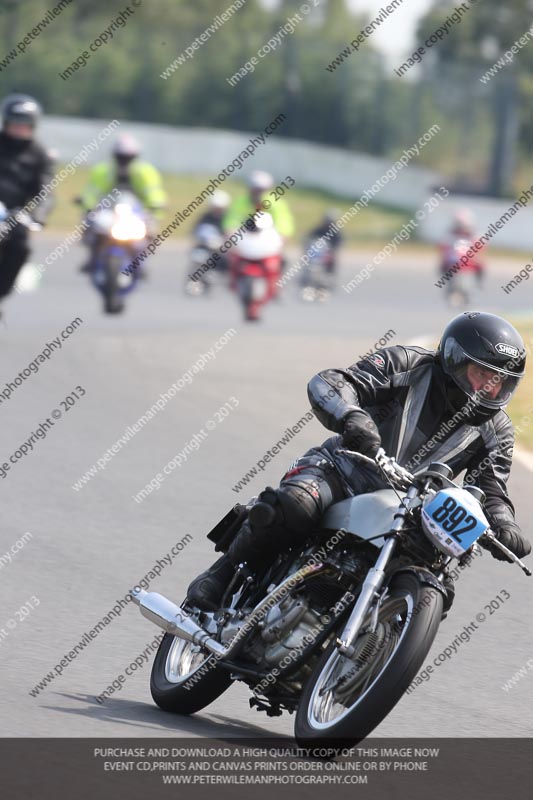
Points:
[(361, 433), (511, 538)]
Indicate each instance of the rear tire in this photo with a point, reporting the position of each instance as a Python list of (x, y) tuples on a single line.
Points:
[(317, 724), (191, 691)]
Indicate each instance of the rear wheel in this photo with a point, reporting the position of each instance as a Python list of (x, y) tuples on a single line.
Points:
[(184, 679), (346, 698)]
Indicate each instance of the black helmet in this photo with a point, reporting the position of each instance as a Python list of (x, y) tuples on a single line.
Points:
[(21, 108), (485, 357)]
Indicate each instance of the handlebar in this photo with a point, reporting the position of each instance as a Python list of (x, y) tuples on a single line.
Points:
[(21, 217), (493, 540), (387, 464), (24, 219), (403, 478), (358, 456)]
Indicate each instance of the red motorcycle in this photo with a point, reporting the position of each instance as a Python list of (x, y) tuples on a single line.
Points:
[(256, 265)]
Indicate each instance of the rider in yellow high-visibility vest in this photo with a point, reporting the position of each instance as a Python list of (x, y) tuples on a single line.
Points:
[(126, 172), (259, 185)]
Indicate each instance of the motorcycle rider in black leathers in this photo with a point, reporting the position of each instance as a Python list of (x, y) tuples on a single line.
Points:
[(333, 238), (420, 406), (218, 206), (25, 169)]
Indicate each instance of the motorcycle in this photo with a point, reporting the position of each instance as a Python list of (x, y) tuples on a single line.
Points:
[(207, 264), (462, 283), (121, 233), (256, 265), (317, 279), (337, 629)]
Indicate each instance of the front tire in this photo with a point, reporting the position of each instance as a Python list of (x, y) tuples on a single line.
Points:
[(184, 680), (113, 303), (195, 288), (345, 700)]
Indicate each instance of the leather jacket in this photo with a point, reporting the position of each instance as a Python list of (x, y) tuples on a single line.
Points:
[(407, 394)]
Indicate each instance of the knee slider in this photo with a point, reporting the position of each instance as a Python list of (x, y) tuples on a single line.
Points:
[(266, 511)]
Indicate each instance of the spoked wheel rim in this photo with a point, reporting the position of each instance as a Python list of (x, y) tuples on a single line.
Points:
[(343, 682), (183, 659)]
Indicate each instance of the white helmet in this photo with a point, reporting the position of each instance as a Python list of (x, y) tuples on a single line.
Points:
[(463, 220), (260, 181), (126, 146), (219, 199)]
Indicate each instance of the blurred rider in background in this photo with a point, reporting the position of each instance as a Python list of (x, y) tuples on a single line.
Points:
[(333, 238), (209, 230), (460, 238), (26, 168), (218, 206), (463, 226), (245, 205), (125, 172)]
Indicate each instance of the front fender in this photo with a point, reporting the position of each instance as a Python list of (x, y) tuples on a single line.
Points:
[(424, 576)]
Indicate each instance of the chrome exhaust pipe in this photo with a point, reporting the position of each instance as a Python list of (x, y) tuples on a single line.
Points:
[(173, 619)]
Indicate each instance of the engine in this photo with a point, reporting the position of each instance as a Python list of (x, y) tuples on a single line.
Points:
[(289, 626), (296, 621)]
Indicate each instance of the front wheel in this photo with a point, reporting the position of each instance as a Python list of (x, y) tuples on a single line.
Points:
[(184, 679), (113, 303), (195, 288), (346, 698), (249, 291)]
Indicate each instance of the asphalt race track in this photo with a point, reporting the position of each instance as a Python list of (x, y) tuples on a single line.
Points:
[(88, 547)]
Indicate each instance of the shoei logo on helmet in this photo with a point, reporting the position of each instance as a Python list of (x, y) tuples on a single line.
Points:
[(507, 349), (22, 108)]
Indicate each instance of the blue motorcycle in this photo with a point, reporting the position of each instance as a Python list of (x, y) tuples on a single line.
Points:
[(119, 233)]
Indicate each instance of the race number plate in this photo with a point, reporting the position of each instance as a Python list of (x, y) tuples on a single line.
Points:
[(453, 520)]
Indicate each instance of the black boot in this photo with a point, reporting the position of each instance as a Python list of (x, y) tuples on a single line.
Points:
[(255, 546), (207, 589)]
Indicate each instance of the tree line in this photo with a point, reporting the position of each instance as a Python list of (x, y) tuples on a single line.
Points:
[(361, 105)]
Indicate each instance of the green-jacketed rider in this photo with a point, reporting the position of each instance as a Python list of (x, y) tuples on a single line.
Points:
[(244, 206), (126, 171)]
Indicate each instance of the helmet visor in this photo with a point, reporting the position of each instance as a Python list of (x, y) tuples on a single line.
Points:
[(20, 119), (486, 385)]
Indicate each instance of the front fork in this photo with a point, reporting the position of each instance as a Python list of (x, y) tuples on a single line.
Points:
[(374, 580)]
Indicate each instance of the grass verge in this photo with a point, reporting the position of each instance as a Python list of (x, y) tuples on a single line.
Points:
[(521, 407), (375, 223)]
